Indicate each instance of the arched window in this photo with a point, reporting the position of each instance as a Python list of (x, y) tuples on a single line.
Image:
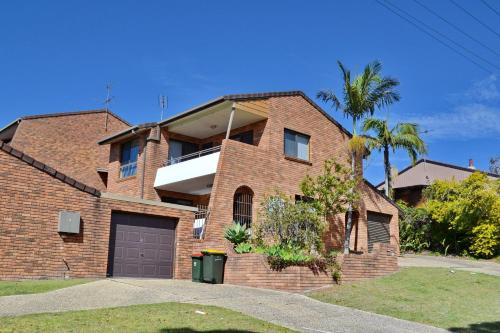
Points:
[(242, 206)]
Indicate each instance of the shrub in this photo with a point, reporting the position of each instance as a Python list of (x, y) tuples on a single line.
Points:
[(286, 223), (467, 214), (414, 228), (237, 234), (281, 256), (243, 248)]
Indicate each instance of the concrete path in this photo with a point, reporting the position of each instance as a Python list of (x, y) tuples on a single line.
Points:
[(478, 266), (289, 310)]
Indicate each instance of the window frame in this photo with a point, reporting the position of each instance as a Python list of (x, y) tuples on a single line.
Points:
[(297, 134), (132, 143)]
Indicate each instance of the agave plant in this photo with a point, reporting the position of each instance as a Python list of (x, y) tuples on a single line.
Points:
[(237, 233)]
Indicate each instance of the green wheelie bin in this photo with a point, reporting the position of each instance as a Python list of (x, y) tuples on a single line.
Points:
[(213, 266), (197, 267)]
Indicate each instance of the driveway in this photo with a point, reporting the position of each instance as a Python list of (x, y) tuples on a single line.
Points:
[(290, 310), (478, 266)]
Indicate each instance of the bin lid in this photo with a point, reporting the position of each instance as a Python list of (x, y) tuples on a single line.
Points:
[(212, 251), (197, 255)]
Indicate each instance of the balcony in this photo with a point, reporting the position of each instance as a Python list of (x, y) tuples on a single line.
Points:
[(193, 173)]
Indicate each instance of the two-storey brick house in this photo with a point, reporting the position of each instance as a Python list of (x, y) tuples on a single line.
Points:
[(171, 187)]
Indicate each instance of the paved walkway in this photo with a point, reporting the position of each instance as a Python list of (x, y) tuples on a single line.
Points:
[(478, 266), (290, 310)]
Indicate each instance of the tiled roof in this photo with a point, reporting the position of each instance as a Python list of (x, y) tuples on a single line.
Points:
[(48, 170)]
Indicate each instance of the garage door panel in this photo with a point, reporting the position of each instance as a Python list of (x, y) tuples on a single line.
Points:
[(141, 246), (378, 229)]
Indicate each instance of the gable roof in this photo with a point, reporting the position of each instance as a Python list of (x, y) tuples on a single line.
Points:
[(425, 171), (253, 96), (48, 170)]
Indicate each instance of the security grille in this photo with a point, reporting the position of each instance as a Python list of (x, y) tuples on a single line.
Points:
[(242, 207)]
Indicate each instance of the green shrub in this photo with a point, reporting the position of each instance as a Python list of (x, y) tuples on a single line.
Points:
[(281, 256), (243, 248), (414, 228), (467, 214), (237, 234)]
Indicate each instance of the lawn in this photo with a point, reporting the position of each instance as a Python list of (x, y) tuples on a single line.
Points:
[(36, 286), (459, 301), (158, 318)]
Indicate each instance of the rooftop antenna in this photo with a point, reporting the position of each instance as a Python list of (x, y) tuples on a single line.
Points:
[(108, 100), (163, 101)]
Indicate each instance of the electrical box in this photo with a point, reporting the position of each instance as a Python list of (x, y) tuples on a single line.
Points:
[(69, 222)]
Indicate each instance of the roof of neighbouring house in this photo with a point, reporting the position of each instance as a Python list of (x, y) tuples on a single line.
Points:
[(424, 172), (48, 170)]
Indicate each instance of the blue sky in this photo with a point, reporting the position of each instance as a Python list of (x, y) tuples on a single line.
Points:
[(59, 55)]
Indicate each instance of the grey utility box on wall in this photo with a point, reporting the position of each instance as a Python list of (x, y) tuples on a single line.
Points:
[(69, 222)]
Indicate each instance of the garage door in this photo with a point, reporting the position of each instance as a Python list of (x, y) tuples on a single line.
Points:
[(378, 229), (141, 246)]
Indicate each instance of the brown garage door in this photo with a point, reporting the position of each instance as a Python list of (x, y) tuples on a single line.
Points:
[(378, 229), (141, 246)]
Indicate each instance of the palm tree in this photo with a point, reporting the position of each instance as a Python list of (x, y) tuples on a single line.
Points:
[(402, 136), (360, 97)]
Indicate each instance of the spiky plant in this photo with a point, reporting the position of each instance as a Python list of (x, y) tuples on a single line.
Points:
[(360, 97)]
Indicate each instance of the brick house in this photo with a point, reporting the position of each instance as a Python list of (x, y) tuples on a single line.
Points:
[(149, 195)]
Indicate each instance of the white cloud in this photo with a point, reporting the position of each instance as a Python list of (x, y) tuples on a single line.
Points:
[(471, 121), (484, 90)]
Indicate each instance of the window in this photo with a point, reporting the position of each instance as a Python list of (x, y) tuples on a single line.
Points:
[(242, 206), (177, 201), (128, 159), (296, 145), (245, 137), (177, 149)]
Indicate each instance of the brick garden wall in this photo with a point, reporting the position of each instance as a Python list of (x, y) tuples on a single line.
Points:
[(252, 270)]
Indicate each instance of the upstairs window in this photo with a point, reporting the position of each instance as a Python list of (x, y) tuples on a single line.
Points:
[(128, 159), (296, 145), (178, 149), (245, 137)]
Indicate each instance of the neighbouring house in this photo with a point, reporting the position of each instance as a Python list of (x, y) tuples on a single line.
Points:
[(86, 194), (410, 182)]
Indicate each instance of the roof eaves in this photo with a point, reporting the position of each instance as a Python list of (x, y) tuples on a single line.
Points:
[(389, 200), (15, 122), (191, 111), (75, 113), (48, 170), (134, 129)]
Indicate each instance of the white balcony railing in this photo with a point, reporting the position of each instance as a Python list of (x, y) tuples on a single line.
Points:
[(192, 174)]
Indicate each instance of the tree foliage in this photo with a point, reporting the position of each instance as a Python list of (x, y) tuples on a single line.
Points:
[(468, 213), (414, 228), (333, 191)]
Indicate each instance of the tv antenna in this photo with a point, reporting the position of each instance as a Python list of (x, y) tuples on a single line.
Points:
[(163, 102), (108, 100)]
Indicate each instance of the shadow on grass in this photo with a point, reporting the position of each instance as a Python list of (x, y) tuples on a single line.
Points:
[(488, 327), (190, 330)]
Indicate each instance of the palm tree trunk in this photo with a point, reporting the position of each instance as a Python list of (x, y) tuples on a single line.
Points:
[(348, 228), (387, 169)]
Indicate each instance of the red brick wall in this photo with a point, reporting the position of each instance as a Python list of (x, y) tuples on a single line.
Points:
[(31, 247), (69, 143), (264, 168), (252, 270)]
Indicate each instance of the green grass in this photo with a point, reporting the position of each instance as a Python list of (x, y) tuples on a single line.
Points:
[(158, 318), (460, 301), (36, 286)]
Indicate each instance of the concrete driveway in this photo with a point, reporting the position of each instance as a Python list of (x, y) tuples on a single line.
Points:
[(290, 310), (478, 266)]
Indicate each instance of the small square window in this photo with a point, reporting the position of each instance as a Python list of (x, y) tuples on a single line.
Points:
[(296, 145)]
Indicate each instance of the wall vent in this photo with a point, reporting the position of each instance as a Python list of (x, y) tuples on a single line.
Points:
[(69, 222)]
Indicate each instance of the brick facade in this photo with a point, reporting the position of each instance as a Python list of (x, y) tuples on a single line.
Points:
[(32, 196), (69, 142)]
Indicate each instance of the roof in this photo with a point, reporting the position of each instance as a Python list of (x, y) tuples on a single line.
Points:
[(48, 170), (389, 200), (74, 113), (424, 172), (253, 96), (62, 114), (127, 132)]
